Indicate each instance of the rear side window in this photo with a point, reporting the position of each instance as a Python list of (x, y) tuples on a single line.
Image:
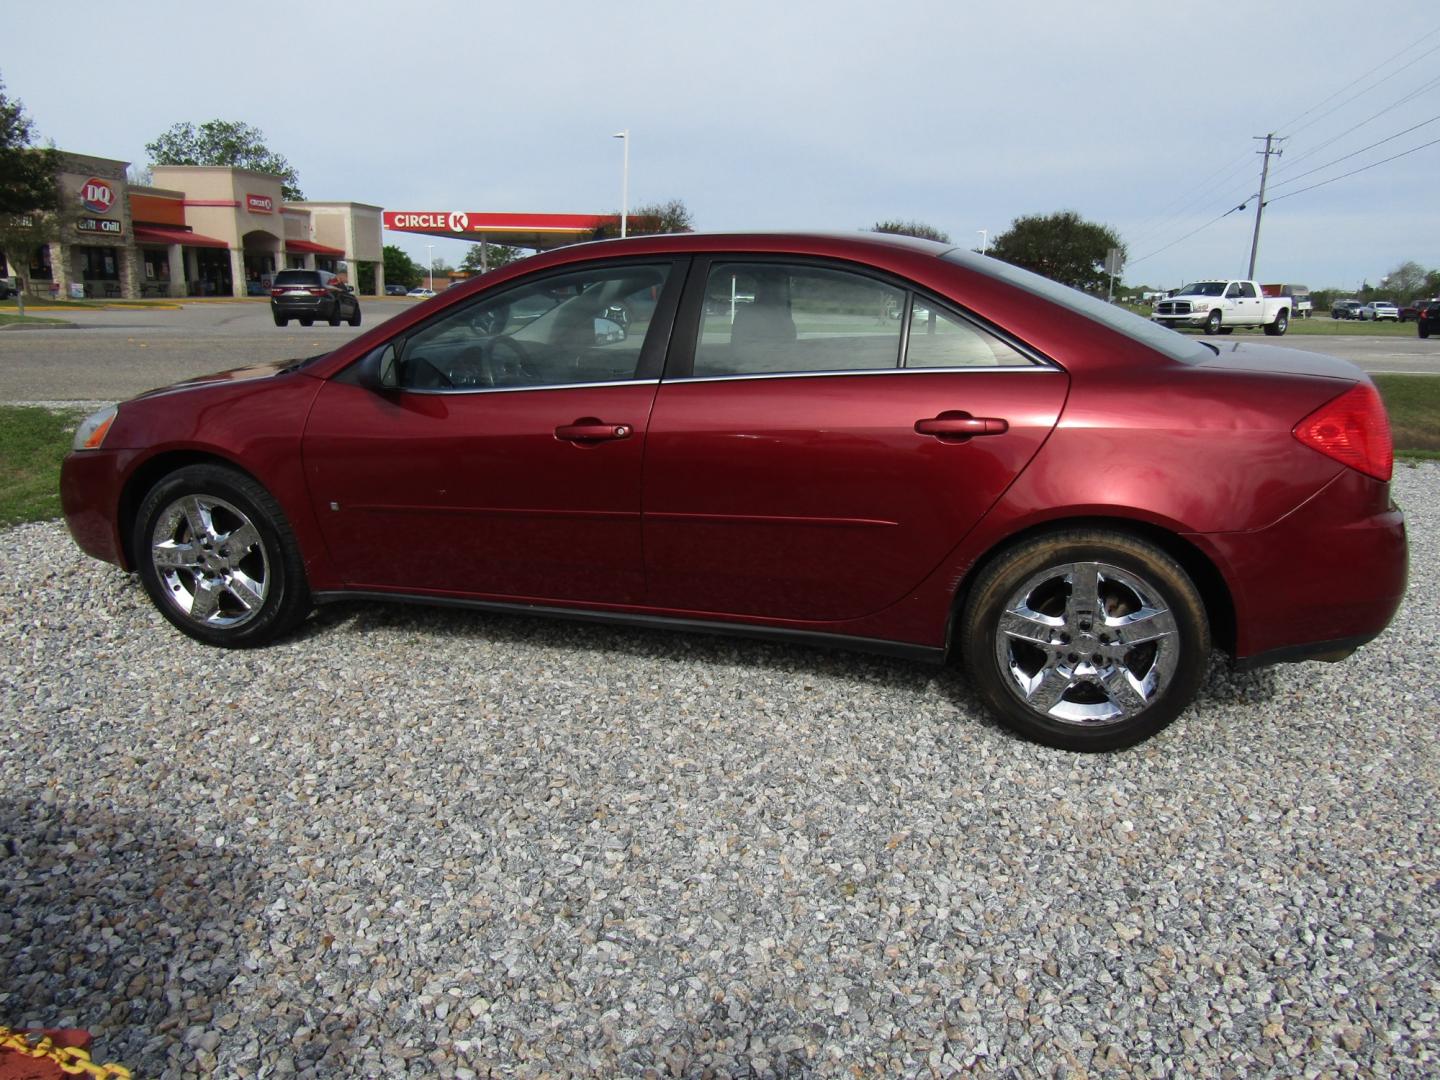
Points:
[(942, 339), (771, 318)]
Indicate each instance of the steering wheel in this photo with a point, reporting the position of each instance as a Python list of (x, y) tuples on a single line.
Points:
[(511, 370)]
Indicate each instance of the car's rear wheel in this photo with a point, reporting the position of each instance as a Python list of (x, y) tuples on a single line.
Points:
[(281, 320), (305, 320), (1279, 326), (1085, 640), (217, 557), (1212, 324), (355, 318)]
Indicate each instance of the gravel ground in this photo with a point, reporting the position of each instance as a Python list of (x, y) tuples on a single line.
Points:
[(427, 843)]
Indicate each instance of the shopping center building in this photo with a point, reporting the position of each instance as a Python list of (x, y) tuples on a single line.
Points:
[(198, 231)]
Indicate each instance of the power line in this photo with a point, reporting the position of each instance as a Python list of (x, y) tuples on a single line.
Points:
[(1382, 142), (1353, 172), (1167, 247), (1414, 44), (1355, 127)]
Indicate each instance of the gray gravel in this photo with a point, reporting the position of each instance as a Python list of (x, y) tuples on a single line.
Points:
[(427, 843)]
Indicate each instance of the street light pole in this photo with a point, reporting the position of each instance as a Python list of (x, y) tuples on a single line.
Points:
[(624, 183), (984, 235), (430, 259)]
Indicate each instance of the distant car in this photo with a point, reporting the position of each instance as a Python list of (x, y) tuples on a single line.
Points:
[(1410, 312), (256, 288), (1345, 309), (1379, 311), (421, 293), (394, 290), (1427, 321), (7, 290), (308, 295), (1075, 501)]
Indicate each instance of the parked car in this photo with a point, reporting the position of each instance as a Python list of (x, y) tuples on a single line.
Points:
[(7, 288), (1427, 321), (1072, 500), (1345, 309), (1409, 312), (1218, 307), (308, 295), (1304, 307), (421, 293), (395, 290), (1379, 311)]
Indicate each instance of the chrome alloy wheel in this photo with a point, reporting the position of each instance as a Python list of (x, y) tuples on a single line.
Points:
[(1087, 643), (211, 561)]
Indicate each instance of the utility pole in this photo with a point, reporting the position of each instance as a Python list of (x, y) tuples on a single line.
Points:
[(1260, 202)]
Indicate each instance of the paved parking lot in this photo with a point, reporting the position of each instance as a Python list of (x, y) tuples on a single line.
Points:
[(119, 353)]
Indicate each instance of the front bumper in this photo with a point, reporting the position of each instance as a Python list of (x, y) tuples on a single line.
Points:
[(1195, 319), (91, 485)]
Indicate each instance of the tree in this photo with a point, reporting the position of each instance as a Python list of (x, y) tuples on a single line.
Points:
[(400, 269), (496, 256), (29, 191), (1405, 281), (649, 219), (1062, 247), (223, 142), (897, 227)]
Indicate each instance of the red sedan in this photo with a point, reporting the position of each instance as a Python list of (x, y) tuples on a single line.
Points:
[(865, 441)]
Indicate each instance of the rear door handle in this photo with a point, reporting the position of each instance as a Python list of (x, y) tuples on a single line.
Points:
[(958, 425), (592, 430)]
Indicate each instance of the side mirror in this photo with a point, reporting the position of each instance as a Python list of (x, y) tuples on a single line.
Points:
[(388, 368), (608, 331)]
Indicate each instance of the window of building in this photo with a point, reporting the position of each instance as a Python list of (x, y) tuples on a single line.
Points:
[(768, 318)]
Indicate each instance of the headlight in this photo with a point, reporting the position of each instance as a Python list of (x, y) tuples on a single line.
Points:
[(92, 431)]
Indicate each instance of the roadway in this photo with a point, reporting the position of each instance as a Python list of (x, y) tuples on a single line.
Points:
[(116, 353)]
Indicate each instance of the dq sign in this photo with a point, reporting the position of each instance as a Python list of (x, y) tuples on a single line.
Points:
[(97, 196)]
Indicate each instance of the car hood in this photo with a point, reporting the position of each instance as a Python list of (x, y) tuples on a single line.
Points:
[(264, 370), (1239, 356)]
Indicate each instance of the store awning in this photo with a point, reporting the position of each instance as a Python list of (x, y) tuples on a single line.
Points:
[(306, 247), (163, 234)]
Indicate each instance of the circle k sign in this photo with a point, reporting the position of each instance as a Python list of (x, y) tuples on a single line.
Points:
[(97, 195)]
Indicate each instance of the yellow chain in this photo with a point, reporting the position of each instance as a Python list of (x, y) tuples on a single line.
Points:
[(70, 1059)]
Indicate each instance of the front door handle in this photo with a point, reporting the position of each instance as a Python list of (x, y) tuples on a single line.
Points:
[(958, 426), (588, 429)]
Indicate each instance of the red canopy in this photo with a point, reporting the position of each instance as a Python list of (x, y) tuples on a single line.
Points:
[(168, 234), (306, 246)]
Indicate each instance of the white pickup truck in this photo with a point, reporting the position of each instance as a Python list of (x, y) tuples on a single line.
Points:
[(1218, 307)]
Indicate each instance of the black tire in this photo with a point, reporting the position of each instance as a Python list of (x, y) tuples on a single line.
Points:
[(1279, 326), (1212, 324), (355, 319), (1424, 330), (334, 318), (1093, 703), (305, 320), (242, 582), (281, 320)]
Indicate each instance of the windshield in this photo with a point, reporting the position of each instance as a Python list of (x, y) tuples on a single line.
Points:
[(1160, 338), (1204, 288)]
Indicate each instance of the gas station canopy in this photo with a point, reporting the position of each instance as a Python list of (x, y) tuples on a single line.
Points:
[(536, 231)]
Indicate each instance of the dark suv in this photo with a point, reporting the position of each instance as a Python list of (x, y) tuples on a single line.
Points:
[(1427, 316), (308, 295)]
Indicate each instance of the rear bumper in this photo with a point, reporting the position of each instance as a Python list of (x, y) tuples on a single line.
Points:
[(1324, 579)]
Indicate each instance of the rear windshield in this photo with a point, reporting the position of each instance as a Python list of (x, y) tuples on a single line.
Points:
[(298, 277), (1160, 338)]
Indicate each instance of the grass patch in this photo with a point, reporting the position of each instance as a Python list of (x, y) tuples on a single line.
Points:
[(7, 319), (1413, 402), (33, 441)]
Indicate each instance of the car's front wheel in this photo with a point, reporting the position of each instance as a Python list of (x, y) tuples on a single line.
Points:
[(1424, 330), (1085, 640), (1212, 324), (217, 557)]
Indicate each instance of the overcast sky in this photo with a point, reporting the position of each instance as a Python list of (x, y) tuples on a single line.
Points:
[(772, 115)]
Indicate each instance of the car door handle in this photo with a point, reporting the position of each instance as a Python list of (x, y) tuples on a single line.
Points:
[(591, 430), (959, 425)]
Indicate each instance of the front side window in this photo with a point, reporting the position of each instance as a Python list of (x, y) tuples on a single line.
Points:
[(582, 327), (763, 318), (1247, 290)]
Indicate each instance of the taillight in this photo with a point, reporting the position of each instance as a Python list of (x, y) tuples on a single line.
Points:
[(277, 292), (1354, 430), (316, 292)]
